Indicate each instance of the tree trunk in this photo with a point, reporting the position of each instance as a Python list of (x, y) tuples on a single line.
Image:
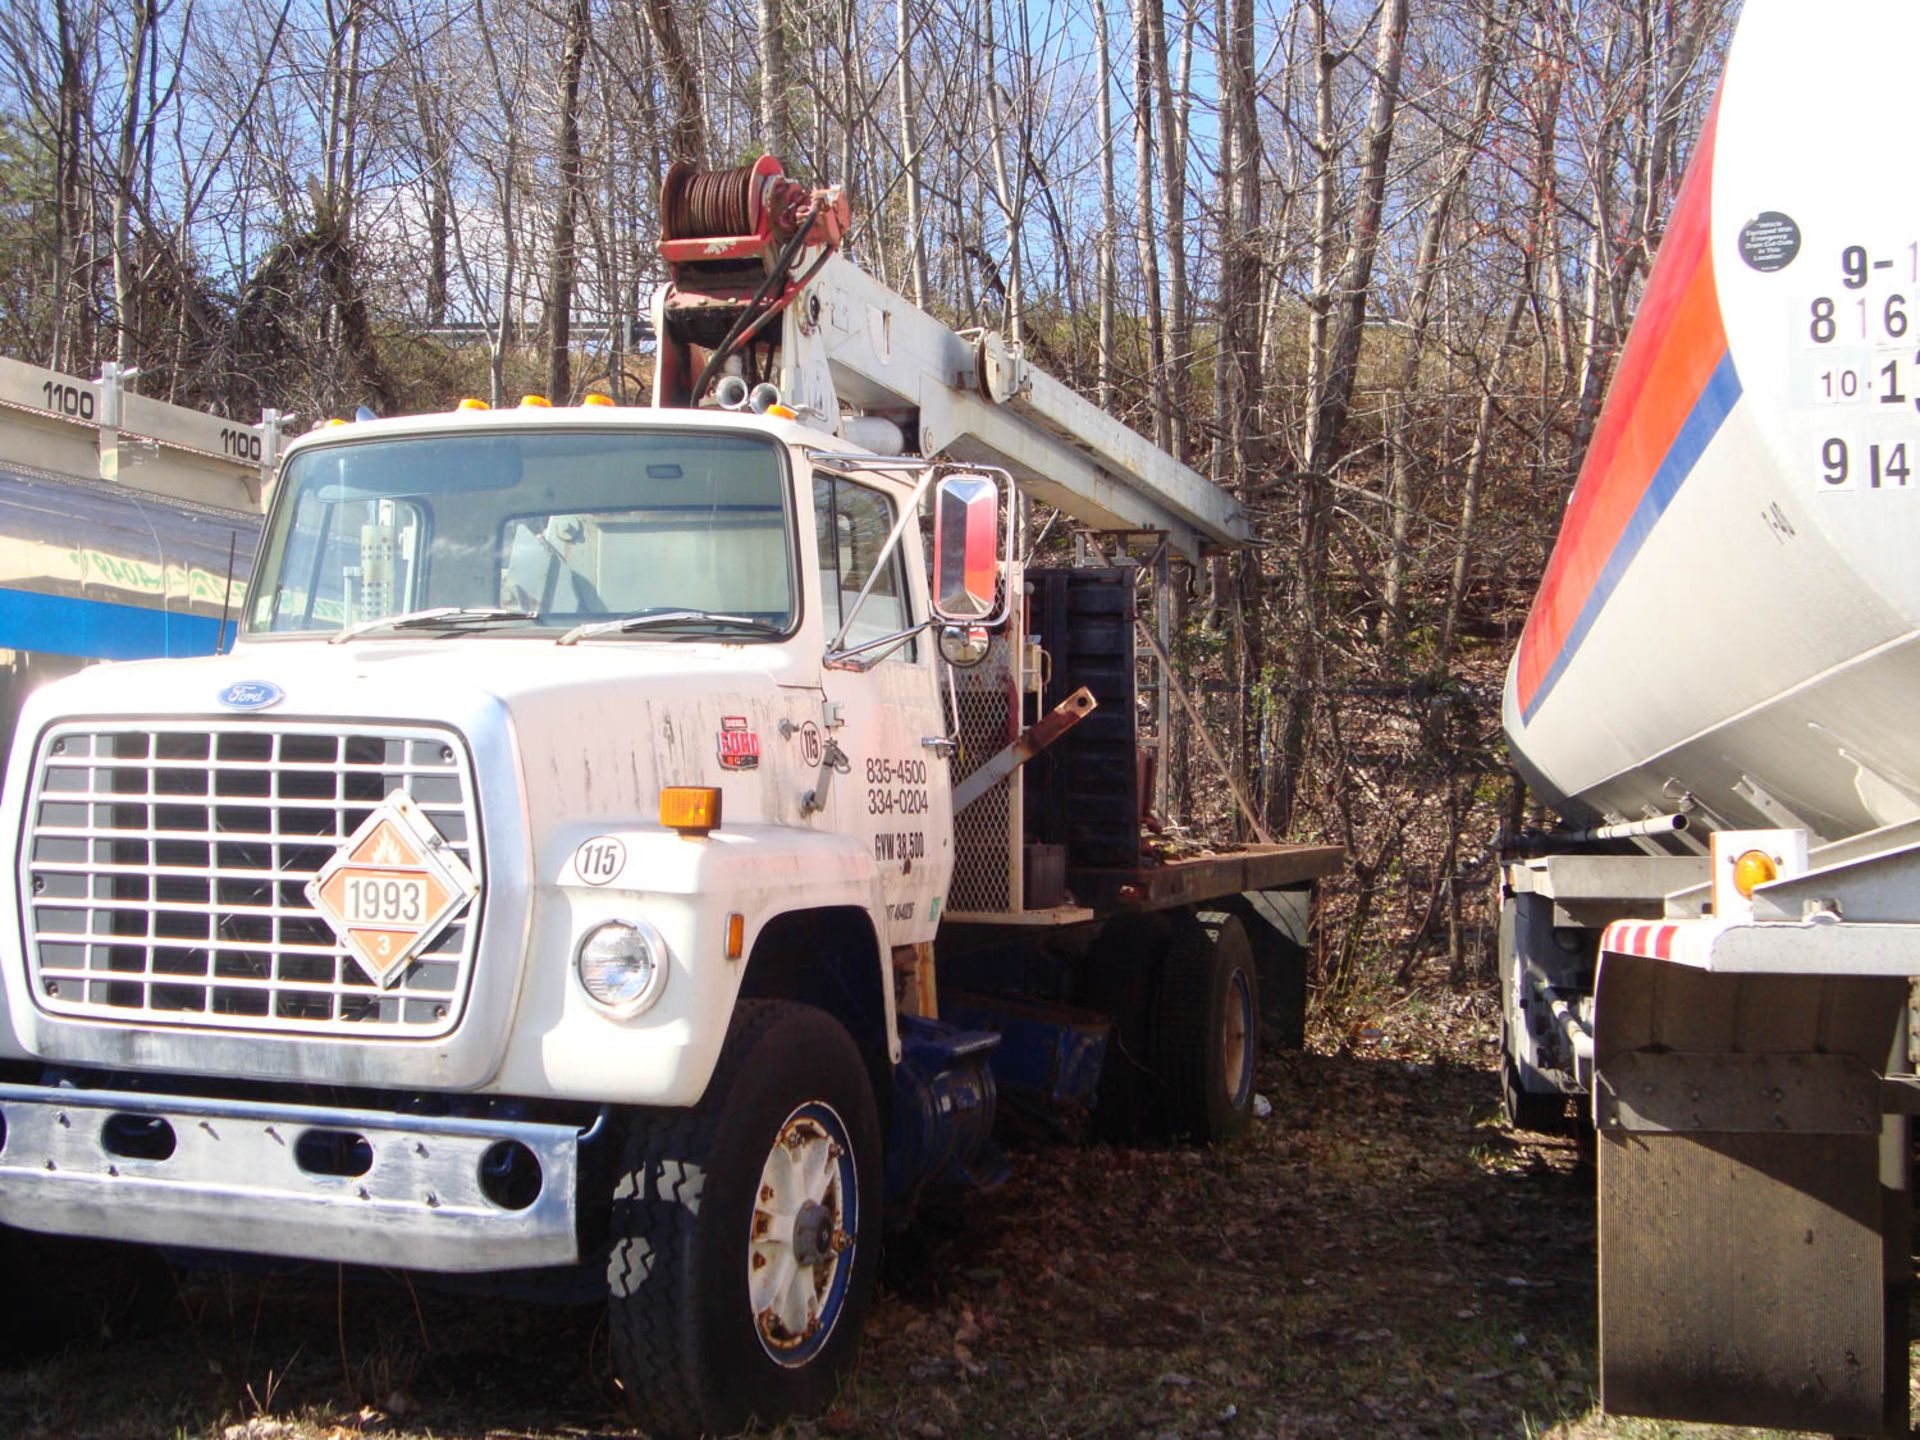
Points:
[(688, 139), (1325, 194), (126, 160), (70, 346), (1339, 332), (1106, 269), (1173, 184), (1353, 287), (1463, 537), (1003, 188), (560, 275), (1494, 33), (775, 126), (910, 153), (1149, 222)]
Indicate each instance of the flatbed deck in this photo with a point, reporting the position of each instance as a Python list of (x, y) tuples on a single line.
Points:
[(1161, 884)]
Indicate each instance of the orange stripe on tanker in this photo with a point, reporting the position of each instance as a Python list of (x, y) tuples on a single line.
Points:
[(1677, 345)]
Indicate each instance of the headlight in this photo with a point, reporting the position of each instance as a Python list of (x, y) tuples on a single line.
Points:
[(622, 966)]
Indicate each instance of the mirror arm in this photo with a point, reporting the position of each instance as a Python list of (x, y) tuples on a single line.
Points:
[(869, 653)]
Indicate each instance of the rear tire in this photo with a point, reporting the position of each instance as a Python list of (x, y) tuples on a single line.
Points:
[(1526, 1110), (746, 1231), (1208, 1030)]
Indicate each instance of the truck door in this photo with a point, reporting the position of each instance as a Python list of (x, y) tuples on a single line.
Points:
[(894, 794)]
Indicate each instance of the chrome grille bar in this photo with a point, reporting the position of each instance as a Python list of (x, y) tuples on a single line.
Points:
[(163, 878)]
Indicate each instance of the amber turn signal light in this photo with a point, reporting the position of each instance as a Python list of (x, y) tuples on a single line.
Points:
[(1753, 868), (736, 935), (690, 809)]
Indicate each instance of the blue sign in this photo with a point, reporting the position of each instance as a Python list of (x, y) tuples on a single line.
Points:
[(251, 695)]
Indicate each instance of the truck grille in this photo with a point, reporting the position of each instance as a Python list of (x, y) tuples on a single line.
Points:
[(163, 876)]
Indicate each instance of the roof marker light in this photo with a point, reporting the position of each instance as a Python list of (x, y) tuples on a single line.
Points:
[(690, 809)]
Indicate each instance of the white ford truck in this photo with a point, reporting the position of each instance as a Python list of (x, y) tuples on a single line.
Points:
[(607, 852)]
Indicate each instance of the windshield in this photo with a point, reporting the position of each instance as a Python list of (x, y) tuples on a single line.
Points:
[(542, 531)]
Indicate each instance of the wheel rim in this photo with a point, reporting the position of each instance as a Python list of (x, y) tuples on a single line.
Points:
[(1236, 1036), (800, 1251)]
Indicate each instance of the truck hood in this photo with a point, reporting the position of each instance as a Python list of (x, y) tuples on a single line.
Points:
[(597, 728)]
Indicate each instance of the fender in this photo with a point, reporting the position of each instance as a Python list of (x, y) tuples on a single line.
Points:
[(684, 886)]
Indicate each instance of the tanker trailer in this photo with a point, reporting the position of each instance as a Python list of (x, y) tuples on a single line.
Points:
[(1716, 692)]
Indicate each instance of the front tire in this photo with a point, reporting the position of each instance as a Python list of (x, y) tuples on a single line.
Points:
[(746, 1231)]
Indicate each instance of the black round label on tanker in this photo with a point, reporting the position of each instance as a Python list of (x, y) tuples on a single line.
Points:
[(1769, 241)]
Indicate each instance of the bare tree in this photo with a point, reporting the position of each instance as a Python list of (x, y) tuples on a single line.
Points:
[(688, 130), (561, 263), (1147, 217), (776, 121)]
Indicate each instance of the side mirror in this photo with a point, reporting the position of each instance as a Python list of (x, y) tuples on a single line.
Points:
[(966, 547)]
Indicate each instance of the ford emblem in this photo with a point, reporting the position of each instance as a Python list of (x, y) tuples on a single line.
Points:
[(251, 695)]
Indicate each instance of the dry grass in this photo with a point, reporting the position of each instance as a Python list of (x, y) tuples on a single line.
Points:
[(1382, 1258)]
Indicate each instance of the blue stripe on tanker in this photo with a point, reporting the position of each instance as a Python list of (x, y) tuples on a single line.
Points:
[(1716, 402), (100, 629)]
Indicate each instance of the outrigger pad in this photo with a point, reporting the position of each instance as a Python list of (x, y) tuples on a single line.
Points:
[(1754, 1211)]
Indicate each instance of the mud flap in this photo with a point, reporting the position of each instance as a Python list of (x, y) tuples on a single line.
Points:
[(1754, 1205)]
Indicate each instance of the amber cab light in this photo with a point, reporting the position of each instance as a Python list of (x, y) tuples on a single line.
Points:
[(690, 809), (535, 402), (598, 400), (1753, 868), (470, 403)]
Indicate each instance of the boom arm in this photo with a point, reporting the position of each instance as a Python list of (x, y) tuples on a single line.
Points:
[(886, 356), (848, 343)]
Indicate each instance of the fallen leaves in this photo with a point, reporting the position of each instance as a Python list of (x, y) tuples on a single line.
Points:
[(1380, 1257)]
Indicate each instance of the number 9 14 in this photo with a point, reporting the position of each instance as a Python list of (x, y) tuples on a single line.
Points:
[(1885, 467)]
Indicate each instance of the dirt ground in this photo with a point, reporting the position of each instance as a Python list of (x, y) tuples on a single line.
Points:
[(1383, 1257)]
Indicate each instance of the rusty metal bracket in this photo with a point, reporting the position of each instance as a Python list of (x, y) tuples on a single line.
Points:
[(1063, 717), (1679, 1092)]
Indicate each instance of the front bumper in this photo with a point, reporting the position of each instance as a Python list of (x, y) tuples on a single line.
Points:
[(235, 1181)]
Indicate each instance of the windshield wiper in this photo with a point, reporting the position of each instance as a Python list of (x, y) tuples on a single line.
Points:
[(665, 619), (440, 617)]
